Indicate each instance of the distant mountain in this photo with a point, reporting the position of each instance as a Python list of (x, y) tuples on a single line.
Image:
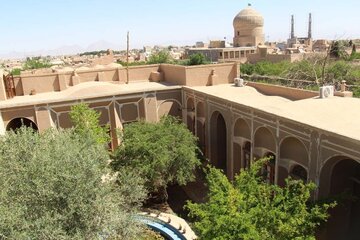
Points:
[(103, 45), (63, 50)]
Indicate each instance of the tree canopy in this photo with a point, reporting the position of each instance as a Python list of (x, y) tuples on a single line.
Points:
[(197, 59), (86, 122), (35, 63), (53, 186), (249, 208), (163, 153), (162, 56)]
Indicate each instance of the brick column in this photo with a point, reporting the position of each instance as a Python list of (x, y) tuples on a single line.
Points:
[(43, 119)]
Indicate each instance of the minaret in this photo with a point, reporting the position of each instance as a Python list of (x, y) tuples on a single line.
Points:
[(292, 35), (310, 22)]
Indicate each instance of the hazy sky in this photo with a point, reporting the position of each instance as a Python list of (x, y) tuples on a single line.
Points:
[(28, 25)]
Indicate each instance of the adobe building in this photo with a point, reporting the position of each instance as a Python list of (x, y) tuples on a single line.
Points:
[(309, 138), (248, 28), (248, 34), (304, 42)]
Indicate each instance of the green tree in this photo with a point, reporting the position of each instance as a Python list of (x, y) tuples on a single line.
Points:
[(247, 68), (36, 63), (197, 59), (15, 71), (337, 50), (163, 153), (338, 70), (162, 56), (53, 186), (86, 122), (249, 208)]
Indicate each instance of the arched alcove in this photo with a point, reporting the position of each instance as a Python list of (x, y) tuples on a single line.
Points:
[(242, 129), (264, 139), (299, 173), (200, 110), (293, 150), (218, 137), (170, 107), (200, 125), (341, 176), (19, 122), (190, 115)]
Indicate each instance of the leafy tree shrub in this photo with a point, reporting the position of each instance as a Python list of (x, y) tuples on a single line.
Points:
[(15, 71), (162, 153), (160, 57), (304, 70), (272, 69), (249, 208), (265, 68), (338, 70), (136, 63), (51, 187), (86, 122), (247, 68), (197, 59), (356, 91), (36, 63), (354, 55), (307, 69)]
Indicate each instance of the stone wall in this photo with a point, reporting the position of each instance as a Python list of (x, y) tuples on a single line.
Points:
[(254, 58), (59, 81), (179, 75)]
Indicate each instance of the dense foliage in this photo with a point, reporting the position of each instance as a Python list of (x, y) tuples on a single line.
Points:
[(36, 63), (197, 59), (51, 187), (249, 208), (307, 69), (99, 53), (15, 71), (86, 122), (162, 153), (354, 55), (136, 63), (162, 56)]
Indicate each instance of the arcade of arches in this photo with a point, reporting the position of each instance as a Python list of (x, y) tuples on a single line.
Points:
[(232, 136)]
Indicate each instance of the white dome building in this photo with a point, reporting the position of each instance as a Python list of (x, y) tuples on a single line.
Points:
[(248, 28)]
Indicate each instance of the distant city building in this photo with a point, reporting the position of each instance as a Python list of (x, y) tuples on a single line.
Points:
[(248, 34), (248, 28), (217, 44), (199, 44), (320, 45), (300, 42)]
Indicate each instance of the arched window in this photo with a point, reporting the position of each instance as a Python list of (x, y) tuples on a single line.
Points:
[(299, 173), (19, 122)]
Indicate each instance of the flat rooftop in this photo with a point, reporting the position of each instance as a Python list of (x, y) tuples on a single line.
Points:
[(86, 90), (338, 115)]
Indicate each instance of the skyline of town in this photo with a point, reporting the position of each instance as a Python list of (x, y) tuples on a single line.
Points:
[(76, 27)]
